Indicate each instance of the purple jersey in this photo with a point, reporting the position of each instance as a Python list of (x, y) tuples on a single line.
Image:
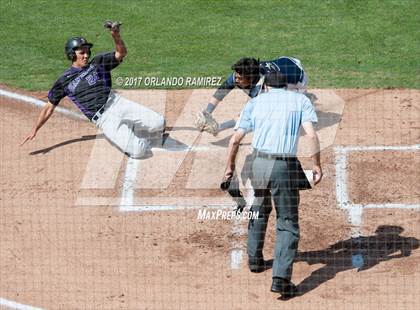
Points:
[(87, 87)]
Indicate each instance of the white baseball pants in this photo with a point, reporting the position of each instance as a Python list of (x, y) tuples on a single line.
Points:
[(129, 125)]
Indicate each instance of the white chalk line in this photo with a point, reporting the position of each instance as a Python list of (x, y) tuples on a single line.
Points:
[(355, 211), (127, 195), (14, 305), (237, 252), (167, 147), (146, 208), (386, 206), (195, 148), (40, 103), (5, 302), (341, 178), (379, 148), (131, 168), (132, 165), (126, 205), (130, 177)]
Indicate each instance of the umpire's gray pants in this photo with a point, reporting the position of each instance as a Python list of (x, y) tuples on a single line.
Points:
[(272, 179)]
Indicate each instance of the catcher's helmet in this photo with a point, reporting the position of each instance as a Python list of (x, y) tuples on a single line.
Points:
[(73, 44)]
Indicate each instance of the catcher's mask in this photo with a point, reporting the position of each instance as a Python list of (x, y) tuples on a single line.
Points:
[(75, 43)]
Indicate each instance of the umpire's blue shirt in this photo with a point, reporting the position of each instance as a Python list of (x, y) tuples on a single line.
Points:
[(275, 117)]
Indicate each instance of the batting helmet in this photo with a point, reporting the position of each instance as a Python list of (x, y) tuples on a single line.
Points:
[(74, 44)]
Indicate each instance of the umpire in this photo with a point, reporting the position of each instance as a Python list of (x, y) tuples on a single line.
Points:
[(275, 117)]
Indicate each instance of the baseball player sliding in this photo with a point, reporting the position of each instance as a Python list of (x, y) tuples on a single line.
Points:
[(249, 76), (128, 125)]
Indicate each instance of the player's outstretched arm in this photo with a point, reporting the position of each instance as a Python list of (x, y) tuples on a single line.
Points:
[(120, 49), (211, 106), (221, 93), (44, 115)]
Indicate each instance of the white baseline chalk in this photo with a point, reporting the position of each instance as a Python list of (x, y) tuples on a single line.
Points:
[(355, 211), (389, 206), (137, 208), (14, 305), (40, 103), (130, 177), (341, 178), (379, 148)]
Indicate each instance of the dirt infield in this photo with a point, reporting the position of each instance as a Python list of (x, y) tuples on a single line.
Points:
[(83, 227)]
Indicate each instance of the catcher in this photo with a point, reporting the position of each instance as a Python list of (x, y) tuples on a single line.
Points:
[(249, 75), (128, 125)]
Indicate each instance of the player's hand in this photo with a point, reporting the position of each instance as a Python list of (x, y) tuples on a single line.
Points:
[(228, 173), (31, 136), (114, 27), (224, 185), (317, 174)]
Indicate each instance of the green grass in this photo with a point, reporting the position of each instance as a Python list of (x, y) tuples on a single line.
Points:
[(347, 43)]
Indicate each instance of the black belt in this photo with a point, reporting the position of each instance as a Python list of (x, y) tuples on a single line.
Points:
[(98, 114), (274, 156)]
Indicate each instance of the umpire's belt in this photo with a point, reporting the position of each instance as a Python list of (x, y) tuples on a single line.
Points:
[(274, 156), (296, 174)]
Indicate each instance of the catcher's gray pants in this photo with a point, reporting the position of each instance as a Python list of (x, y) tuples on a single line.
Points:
[(129, 125), (271, 180)]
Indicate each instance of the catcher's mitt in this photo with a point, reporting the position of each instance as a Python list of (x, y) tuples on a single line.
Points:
[(204, 121), (113, 26), (231, 185)]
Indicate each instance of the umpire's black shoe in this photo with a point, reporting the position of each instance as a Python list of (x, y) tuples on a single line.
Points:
[(256, 264), (286, 288)]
